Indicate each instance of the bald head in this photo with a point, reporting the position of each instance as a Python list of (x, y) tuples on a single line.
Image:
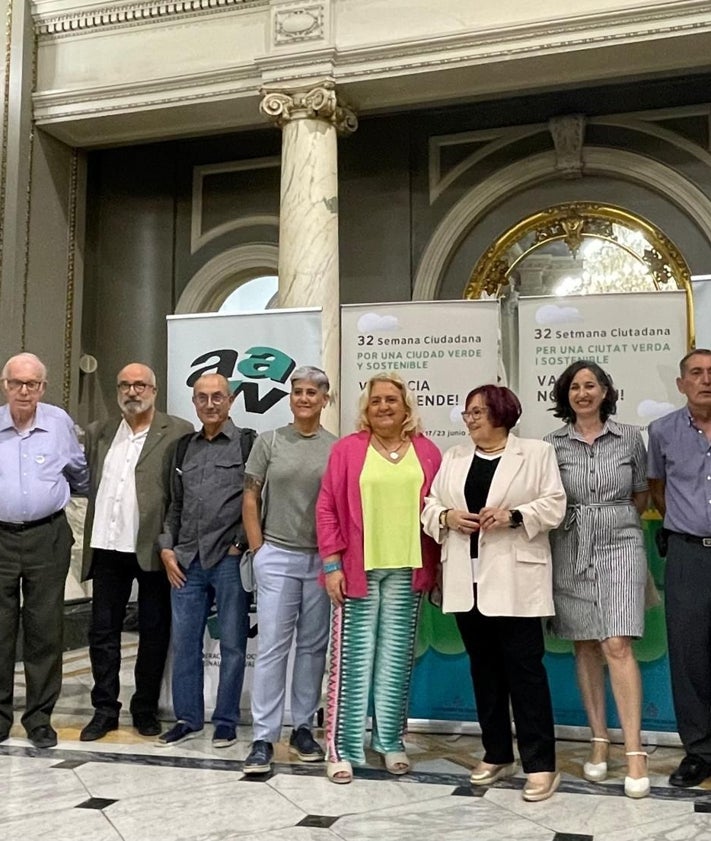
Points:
[(136, 393)]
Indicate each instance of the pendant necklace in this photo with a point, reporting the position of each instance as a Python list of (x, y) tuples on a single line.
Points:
[(393, 454)]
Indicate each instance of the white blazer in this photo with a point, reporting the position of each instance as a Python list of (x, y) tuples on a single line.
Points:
[(514, 568)]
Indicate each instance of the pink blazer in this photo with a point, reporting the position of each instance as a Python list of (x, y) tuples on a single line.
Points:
[(339, 514)]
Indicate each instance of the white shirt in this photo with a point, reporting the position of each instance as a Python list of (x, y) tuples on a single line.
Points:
[(116, 511)]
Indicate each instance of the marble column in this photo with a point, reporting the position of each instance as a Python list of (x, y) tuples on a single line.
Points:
[(15, 152), (311, 119)]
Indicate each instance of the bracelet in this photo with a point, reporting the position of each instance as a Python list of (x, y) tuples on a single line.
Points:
[(333, 566)]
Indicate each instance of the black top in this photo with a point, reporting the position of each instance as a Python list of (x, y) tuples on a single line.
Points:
[(476, 490)]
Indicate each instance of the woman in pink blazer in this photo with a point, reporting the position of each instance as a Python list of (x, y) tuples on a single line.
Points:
[(491, 506), (376, 564)]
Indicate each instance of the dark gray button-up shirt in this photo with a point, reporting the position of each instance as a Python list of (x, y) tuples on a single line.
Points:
[(205, 514)]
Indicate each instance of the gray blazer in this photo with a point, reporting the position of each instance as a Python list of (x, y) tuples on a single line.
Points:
[(152, 482)]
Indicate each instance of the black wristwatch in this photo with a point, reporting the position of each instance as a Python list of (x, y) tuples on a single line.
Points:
[(516, 519)]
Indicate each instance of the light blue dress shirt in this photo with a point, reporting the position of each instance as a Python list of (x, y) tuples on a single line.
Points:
[(39, 467)]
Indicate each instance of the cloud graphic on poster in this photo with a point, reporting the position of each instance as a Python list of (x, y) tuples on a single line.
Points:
[(553, 314), (651, 409), (456, 414), (371, 321)]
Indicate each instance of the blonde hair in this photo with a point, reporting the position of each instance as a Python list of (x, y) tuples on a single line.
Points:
[(412, 424)]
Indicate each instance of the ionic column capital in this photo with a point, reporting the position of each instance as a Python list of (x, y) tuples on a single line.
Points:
[(316, 102)]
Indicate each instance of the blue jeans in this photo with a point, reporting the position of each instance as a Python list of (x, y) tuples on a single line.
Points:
[(191, 605)]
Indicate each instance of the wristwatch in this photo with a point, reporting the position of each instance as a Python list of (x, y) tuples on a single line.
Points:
[(516, 518), (443, 518)]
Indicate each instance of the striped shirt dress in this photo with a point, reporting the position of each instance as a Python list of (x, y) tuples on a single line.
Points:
[(599, 560)]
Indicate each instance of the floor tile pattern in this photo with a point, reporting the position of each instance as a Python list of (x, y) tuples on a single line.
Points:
[(123, 788)]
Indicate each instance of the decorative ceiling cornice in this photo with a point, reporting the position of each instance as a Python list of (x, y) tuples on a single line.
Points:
[(117, 15)]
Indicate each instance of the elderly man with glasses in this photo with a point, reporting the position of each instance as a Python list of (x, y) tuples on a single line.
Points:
[(201, 545), (41, 463), (130, 458)]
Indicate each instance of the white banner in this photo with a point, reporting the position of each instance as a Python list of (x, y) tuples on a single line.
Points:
[(638, 338), (702, 311), (442, 349), (257, 352)]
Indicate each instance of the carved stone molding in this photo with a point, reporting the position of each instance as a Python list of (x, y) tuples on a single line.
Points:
[(318, 102), (126, 14), (568, 134), (296, 22)]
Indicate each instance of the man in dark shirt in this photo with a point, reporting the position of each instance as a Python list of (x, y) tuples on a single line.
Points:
[(201, 544)]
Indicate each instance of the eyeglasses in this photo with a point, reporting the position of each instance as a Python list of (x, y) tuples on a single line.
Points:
[(31, 385), (203, 400), (138, 387), (473, 414)]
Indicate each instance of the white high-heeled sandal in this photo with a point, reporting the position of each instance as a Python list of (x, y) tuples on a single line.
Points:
[(596, 772), (637, 787)]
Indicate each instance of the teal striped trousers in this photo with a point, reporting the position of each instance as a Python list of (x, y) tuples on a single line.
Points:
[(372, 647)]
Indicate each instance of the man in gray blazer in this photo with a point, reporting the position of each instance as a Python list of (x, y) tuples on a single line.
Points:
[(129, 459)]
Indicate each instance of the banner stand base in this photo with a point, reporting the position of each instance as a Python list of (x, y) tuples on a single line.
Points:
[(563, 732)]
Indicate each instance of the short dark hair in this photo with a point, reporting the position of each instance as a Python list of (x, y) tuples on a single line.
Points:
[(702, 351), (561, 389), (503, 405)]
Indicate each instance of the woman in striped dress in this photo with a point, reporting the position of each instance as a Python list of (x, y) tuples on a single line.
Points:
[(599, 561), (376, 564)]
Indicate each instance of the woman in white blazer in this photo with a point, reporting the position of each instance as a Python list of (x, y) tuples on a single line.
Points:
[(491, 506)]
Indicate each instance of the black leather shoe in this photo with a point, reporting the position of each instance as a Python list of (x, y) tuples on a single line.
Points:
[(259, 760), (692, 771), (147, 724), (98, 727), (44, 736), (4, 735)]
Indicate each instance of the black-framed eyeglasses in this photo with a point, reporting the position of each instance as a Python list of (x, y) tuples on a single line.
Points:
[(31, 385), (139, 387)]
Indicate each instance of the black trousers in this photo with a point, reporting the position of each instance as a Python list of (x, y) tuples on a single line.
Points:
[(506, 659), (33, 568), (687, 583), (113, 575)]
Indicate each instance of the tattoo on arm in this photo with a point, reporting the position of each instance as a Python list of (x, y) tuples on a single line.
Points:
[(251, 483)]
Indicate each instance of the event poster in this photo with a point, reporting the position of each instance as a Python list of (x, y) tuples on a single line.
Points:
[(638, 338), (442, 349), (256, 352)]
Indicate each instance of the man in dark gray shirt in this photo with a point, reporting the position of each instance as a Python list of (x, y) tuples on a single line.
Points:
[(200, 547)]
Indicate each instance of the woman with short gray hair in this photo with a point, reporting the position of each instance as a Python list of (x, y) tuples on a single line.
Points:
[(282, 480)]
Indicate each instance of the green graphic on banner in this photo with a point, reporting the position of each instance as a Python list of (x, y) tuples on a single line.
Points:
[(441, 684)]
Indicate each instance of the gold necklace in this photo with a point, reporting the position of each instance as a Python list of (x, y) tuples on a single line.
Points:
[(394, 454)]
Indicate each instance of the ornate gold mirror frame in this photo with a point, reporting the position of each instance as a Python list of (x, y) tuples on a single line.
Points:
[(625, 253), (571, 249)]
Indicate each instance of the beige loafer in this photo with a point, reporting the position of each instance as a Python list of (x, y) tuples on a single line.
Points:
[(536, 790), (485, 775)]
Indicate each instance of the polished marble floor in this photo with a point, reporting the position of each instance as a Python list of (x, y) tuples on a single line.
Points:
[(122, 787)]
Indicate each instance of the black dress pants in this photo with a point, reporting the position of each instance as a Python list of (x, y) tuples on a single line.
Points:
[(687, 592), (506, 659), (113, 575), (33, 568)]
